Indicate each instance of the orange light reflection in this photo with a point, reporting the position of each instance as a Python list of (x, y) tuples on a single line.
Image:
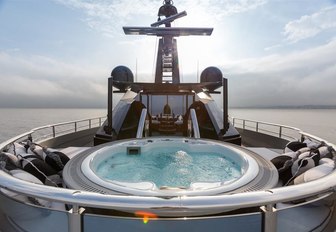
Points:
[(146, 216)]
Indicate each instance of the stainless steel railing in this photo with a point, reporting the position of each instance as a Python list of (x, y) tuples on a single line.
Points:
[(51, 131), (224, 202), (266, 199), (184, 203), (67, 196), (277, 130), (266, 127)]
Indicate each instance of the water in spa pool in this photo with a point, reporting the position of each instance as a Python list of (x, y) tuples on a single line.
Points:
[(175, 168)]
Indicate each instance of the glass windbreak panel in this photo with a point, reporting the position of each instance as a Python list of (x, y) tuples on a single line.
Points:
[(308, 217), (246, 223), (29, 218), (157, 103), (190, 100), (178, 104), (144, 100)]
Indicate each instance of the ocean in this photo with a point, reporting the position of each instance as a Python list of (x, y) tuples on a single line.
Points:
[(17, 121), (319, 122)]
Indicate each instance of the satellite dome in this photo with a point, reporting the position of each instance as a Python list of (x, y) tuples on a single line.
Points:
[(122, 77), (211, 74)]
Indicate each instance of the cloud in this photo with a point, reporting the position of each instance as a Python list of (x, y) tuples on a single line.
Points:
[(298, 78), (310, 25), (230, 7), (38, 81), (109, 16)]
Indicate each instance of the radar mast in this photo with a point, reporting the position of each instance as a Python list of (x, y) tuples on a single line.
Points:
[(167, 63)]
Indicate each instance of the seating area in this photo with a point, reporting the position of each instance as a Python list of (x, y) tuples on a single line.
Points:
[(167, 123)]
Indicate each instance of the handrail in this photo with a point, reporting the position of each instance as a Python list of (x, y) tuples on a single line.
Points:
[(53, 128), (267, 123), (280, 133), (141, 125), (194, 122), (188, 204), (323, 185), (258, 123)]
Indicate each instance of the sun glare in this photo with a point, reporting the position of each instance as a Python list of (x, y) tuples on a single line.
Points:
[(199, 52), (194, 54)]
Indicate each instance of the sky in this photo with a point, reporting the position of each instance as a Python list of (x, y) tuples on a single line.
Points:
[(59, 53)]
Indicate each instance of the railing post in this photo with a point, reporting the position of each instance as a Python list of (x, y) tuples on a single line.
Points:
[(100, 121), (233, 121), (89, 123), (257, 127), (75, 219), (109, 127), (243, 124), (53, 131), (280, 132), (269, 218), (302, 138), (75, 126), (225, 105)]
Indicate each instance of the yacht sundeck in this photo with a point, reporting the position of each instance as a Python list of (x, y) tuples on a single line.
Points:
[(167, 158)]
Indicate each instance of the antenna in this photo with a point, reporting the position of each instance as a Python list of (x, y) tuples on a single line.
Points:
[(198, 72), (169, 19), (136, 69), (167, 63)]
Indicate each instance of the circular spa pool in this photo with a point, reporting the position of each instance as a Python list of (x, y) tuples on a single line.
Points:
[(166, 167)]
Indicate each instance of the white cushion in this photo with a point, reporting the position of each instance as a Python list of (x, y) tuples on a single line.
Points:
[(326, 167)]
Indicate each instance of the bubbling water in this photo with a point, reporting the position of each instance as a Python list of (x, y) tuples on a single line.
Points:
[(174, 168)]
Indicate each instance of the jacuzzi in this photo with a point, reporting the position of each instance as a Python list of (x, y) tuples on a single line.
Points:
[(169, 167)]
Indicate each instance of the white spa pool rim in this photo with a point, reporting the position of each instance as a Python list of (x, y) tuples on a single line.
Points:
[(249, 168)]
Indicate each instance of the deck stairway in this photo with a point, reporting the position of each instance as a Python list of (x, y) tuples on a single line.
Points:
[(167, 68)]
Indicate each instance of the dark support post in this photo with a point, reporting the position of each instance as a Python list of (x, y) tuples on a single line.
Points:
[(108, 128), (151, 104), (225, 105), (148, 102), (187, 103)]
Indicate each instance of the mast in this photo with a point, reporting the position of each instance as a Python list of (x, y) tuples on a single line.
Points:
[(167, 63)]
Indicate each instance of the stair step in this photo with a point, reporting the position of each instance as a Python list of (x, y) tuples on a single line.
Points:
[(167, 73), (167, 65)]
